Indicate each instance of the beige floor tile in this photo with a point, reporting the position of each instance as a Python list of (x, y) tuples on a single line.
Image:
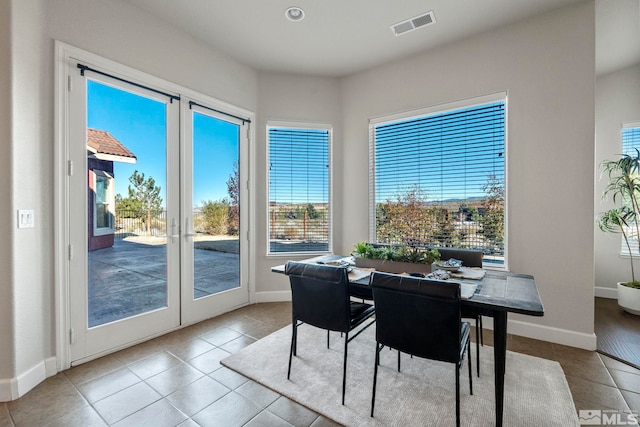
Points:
[(588, 371), (194, 397), (325, 422), (293, 412), (531, 347), (48, 401), (615, 364), (596, 395), (626, 380), (190, 349), (84, 417), (174, 378), (158, 414), (220, 336), (109, 384), (231, 410), (209, 361), (238, 344), (267, 419), (5, 418), (126, 402), (257, 393), (228, 378), (153, 364), (92, 370), (564, 353), (632, 399)]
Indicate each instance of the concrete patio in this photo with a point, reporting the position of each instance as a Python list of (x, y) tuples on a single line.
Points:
[(129, 278)]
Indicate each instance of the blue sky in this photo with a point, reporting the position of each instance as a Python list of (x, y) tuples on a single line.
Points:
[(139, 123)]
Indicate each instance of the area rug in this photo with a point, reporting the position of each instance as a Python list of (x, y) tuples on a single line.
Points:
[(422, 394)]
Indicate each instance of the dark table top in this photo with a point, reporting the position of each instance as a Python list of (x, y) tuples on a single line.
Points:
[(497, 291)]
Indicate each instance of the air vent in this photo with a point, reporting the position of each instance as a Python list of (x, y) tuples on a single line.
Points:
[(413, 23)]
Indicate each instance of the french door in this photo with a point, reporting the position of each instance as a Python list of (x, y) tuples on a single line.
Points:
[(154, 212)]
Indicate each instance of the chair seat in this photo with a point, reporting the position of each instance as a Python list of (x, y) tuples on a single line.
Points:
[(360, 312)]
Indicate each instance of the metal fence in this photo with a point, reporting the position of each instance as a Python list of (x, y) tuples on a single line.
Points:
[(140, 223), (445, 228), (298, 230)]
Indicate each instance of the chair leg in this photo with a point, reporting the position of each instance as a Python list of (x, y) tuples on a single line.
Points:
[(328, 338), (457, 394), (344, 367), (470, 374), (478, 339), (293, 345), (481, 337), (398, 360), (375, 376)]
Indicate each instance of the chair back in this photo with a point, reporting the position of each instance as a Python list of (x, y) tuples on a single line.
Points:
[(320, 295), (418, 316), (469, 258)]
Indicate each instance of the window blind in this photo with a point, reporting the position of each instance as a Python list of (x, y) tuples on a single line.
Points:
[(630, 142), (299, 188), (439, 179)]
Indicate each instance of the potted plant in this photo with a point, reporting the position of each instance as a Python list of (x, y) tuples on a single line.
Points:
[(624, 189), (395, 259)]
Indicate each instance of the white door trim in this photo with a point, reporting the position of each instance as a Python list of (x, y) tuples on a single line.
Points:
[(63, 55)]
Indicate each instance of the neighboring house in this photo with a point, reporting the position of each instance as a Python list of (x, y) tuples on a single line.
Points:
[(102, 150)]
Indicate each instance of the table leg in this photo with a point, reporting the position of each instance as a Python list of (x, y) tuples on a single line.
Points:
[(499, 358)]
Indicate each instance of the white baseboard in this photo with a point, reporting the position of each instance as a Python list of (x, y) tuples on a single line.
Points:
[(275, 296), (555, 335), (604, 292), (14, 388)]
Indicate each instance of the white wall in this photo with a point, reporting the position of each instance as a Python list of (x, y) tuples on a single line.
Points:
[(6, 209), (547, 66), (617, 102), (294, 98), (117, 31)]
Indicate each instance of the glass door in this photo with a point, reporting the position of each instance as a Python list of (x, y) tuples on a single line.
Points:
[(213, 248), (124, 206)]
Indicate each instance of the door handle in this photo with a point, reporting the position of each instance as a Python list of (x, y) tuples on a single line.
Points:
[(189, 229), (174, 230)]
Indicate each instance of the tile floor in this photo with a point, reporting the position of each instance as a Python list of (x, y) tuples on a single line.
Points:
[(177, 380)]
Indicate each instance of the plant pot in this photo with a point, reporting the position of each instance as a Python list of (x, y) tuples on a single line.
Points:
[(629, 299), (392, 266)]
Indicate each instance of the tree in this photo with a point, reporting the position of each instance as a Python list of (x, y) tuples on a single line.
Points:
[(216, 216), (147, 194), (233, 188), (492, 220)]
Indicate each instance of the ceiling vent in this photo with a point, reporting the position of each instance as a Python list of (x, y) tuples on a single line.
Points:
[(413, 23)]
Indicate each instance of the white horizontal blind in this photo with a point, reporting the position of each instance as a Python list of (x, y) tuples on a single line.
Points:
[(440, 179), (299, 190), (630, 143)]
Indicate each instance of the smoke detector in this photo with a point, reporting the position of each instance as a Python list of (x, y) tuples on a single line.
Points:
[(414, 23), (294, 13)]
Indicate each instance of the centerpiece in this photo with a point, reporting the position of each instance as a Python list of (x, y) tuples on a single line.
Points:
[(395, 259)]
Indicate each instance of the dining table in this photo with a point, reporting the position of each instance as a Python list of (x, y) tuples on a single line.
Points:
[(496, 294)]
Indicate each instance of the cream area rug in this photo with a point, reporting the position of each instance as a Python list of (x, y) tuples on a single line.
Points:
[(422, 394)]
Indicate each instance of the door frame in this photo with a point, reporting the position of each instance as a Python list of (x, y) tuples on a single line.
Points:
[(193, 310), (64, 54)]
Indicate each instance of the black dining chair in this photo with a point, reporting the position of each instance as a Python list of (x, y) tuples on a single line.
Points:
[(469, 258), (420, 317), (320, 297)]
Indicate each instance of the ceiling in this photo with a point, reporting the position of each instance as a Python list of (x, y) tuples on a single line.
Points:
[(340, 37)]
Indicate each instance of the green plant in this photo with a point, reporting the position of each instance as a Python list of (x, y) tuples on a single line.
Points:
[(624, 189), (397, 253)]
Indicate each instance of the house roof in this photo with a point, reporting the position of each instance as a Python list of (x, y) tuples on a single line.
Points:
[(104, 146)]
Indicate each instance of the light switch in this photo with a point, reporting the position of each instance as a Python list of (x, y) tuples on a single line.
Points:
[(26, 218)]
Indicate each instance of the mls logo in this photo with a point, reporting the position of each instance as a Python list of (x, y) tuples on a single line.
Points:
[(590, 417)]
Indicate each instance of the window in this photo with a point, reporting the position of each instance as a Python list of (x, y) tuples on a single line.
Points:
[(438, 178), (630, 143), (299, 189), (103, 213)]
